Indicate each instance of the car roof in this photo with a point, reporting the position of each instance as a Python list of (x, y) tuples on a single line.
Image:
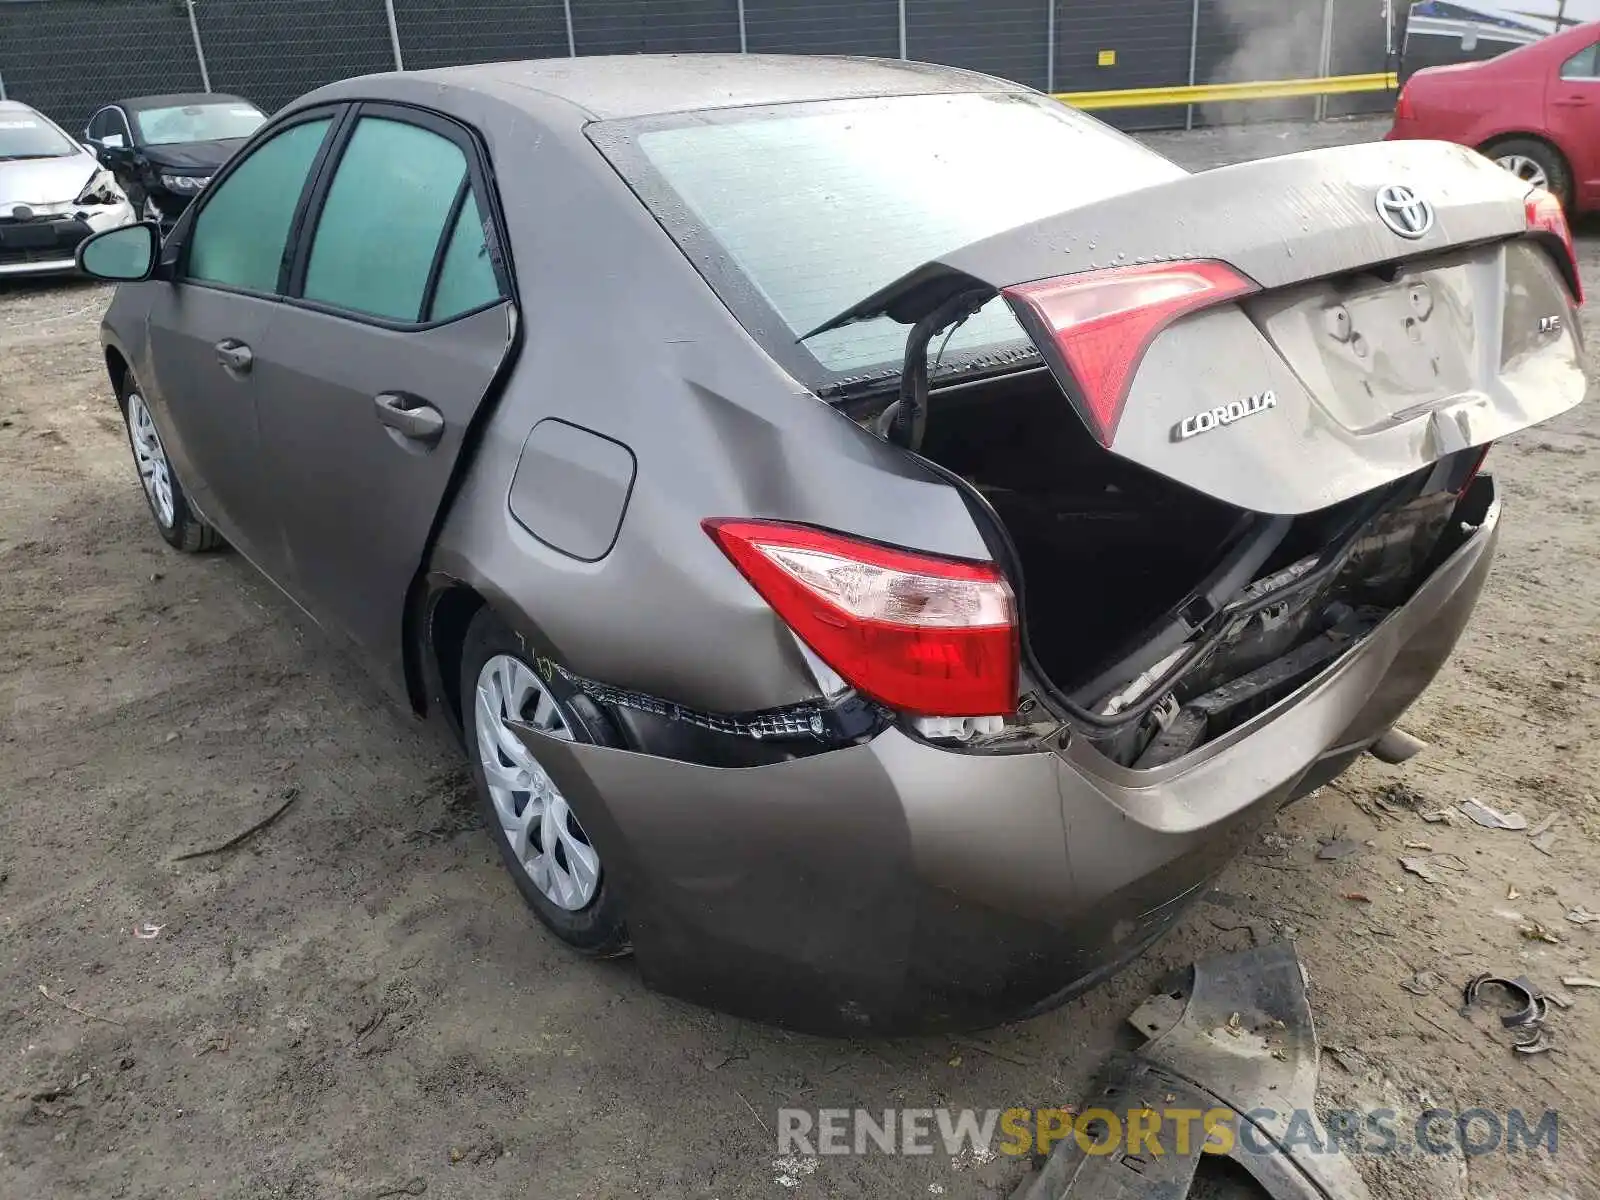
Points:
[(616, 87), (178, 100), (17, 106)]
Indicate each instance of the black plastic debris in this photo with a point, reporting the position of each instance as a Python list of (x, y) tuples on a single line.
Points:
[(1236, 1036)]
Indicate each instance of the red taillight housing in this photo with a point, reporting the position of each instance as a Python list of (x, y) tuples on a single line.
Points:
[(1404, 110), (1545, 215), (924, 635), (1100, 323), (1473, 469)]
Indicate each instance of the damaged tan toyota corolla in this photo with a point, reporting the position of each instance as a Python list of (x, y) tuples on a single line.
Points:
[(860, 663)]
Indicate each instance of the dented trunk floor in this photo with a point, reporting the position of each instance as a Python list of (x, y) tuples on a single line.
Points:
[(355, 1000)]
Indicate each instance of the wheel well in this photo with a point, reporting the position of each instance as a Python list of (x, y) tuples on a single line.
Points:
[(116, 367), (448, 617), (1500, 139)]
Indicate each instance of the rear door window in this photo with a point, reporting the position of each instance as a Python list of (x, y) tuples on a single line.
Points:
[(396, 198), (1582, 65), (108, 127), (240, 233), (466, 276)]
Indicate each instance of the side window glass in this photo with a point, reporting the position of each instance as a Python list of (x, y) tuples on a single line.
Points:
[(1581, 65), (240, 234), (383, 218), (107, 128), (466, 278)]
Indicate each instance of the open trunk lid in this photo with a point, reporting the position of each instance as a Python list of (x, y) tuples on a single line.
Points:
[(1395, 303)]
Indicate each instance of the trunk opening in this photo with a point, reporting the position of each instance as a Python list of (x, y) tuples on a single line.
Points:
[(1162, 617)]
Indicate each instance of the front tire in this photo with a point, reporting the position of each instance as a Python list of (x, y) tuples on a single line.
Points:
[(541, 838), (169, 505)]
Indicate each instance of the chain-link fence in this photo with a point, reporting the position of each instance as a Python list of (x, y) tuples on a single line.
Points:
[(68, 57)]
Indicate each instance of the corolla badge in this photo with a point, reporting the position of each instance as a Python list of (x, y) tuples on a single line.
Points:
[(1223, 414), (1403, 211)]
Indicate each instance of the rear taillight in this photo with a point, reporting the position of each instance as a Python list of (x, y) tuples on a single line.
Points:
[(1101, 322), (1475, 466), (925, 635), (1403, 108), (1545, 215)]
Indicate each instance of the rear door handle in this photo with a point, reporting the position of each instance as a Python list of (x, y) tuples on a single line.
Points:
[(1572, 102), (409, 417), (235, 355)]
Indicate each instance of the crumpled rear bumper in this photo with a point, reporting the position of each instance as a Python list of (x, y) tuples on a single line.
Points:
[(895, 885)]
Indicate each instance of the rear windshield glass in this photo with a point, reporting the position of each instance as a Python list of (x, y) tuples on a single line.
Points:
[(27, 135), (197, 123), (800, 211)]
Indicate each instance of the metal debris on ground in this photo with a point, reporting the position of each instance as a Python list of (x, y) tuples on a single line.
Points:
[(1536, 932), (1526, 1023), (1579, 981), (1491, 818), (1439, 816), (1536, 1044), (1512, 893), (290, 795), (145, 931), (1582, 916)]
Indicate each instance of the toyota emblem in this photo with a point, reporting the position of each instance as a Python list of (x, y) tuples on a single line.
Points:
[(1403, 211)]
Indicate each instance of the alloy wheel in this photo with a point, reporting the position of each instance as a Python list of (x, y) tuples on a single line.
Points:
[(1525, 169), (543, 832), (151, 458)]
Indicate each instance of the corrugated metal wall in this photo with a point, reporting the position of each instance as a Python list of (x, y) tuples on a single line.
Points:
[(70, 56)]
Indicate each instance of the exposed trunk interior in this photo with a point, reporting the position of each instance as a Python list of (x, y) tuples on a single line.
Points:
[(1136, 589), (1106, 547)]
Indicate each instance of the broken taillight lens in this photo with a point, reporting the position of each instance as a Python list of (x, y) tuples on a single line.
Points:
[(1100, 323), (1545, 215), (921, 634)]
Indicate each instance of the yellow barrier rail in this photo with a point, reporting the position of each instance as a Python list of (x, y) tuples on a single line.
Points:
[(1212, 93)]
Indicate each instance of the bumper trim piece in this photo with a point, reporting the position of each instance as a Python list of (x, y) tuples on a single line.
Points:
[(1264, 1071)]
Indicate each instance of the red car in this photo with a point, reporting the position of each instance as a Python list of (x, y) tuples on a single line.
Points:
[(1535, 110)]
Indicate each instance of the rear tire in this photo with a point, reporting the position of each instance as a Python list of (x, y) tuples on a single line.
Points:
[(169, 507), (541, 837), (1537, 163)]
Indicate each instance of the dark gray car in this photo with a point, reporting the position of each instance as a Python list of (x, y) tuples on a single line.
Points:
[(884, 538)]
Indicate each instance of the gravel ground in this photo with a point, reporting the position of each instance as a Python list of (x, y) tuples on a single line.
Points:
[(356, 1002)]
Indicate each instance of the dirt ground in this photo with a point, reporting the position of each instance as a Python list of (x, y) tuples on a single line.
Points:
[(355, 1001)]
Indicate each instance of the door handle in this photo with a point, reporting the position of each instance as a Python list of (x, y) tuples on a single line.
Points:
[(1571, 102), (235, 355), (409, 417)]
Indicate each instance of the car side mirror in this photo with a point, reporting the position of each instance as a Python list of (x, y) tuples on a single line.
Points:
[(124, 255)]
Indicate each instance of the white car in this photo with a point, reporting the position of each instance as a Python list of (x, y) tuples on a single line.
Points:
[(53, 194)]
